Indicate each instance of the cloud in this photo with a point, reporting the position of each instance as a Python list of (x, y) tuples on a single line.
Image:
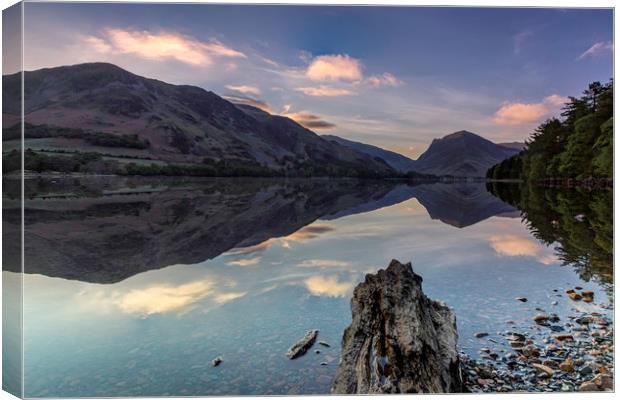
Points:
[(161, 45), (514, 246), (163, 299), (303, 118), (227, 297), (597, 49), (327, 286), (321, 263), (519, 113), (523, 113), (325, 91), (249, 101), (269, 61), (385, 79), (245, 89), (335, 68), (245, 262), (98, 44), (305, 234), (250, 249), (309, 121)]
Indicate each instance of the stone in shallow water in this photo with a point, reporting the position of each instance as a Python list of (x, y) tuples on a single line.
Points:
[(543, 369), (301, 347), (217, 361), (567, 365), (522, 299)]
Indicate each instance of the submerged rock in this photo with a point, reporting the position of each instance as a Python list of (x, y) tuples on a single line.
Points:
[(399, 341), (301, 347)]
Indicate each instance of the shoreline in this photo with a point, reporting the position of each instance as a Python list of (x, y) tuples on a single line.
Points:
[(574, 355)]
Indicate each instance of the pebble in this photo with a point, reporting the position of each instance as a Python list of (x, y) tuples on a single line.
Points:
[(217, 361), (541, 318), (543, 369), (574, 296), (481, 334), (588, 387), (567, 365)]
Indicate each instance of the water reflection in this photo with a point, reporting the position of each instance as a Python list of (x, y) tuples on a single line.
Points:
[(106, 231), (134, 286), (580, 221)]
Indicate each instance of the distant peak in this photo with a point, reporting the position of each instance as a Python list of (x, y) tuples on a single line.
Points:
[(459, 134)]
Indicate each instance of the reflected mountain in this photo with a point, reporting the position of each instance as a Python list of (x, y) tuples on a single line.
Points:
[(104, 230), (456, 204)]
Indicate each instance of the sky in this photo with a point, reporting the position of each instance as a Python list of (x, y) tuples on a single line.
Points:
[(395, 77)]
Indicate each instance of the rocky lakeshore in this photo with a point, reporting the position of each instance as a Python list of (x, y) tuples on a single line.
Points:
[(400, 341), (549, 355)]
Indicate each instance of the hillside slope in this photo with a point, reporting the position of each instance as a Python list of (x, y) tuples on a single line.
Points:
[(176, 123), (395, 160)]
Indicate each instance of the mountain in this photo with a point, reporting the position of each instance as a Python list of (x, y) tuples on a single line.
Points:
[(100, 107), (397, 161), (514, 145), (462, 154)]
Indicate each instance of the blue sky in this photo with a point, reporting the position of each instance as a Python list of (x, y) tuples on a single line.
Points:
[(394, 77)]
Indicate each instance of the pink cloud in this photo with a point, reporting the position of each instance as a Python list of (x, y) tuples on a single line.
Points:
[(519, 113), (325, 91), (161, 45), (524, 113), (334, 68), (385, 79), (245, 89)]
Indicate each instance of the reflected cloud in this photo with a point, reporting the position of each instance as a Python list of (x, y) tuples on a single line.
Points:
[(308, 232), (163, 299), (321, 263), (327, 286), (304, 234), (227, 297), (515, 246), (250, 249), (245, 262)]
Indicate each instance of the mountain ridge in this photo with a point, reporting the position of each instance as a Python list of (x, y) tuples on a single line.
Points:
[(180, 123), (461, 154)]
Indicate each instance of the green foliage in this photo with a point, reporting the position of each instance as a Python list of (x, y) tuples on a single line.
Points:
[(604, 150), (70, 163), (95, 138), (577, 148)]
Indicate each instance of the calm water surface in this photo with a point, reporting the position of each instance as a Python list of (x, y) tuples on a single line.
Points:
[(133, 287)]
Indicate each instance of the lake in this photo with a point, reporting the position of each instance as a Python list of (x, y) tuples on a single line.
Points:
[(133, 286)]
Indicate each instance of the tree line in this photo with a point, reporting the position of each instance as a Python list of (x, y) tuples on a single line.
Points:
[(578, 148)]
